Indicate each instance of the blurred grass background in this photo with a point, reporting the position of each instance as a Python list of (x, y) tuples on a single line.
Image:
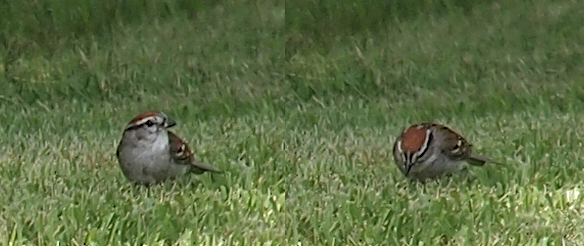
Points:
[(505, 74)]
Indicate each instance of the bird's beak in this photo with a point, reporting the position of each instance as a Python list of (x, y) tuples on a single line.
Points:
[(169, 123), (409, 168)]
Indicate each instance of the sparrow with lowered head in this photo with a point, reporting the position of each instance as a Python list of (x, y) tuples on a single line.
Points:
[(149, 153), (427, 151)]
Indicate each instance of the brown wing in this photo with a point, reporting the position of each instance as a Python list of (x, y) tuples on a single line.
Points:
[(182, 154), (179, 150), (454, 145), (458, 148)]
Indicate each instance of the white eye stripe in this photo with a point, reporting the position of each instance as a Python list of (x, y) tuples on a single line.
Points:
[(424, 147), (154, 119), (399, 148), (412, 158)]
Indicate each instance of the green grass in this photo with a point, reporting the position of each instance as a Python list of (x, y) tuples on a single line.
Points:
[(300, 105), (506, 74), (72, 77)]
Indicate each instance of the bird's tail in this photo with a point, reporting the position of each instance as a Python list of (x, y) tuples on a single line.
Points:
[(199, 168), (479, 160)]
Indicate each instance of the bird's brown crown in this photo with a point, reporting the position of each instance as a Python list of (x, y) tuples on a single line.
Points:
[(144, 115), (413, 138)]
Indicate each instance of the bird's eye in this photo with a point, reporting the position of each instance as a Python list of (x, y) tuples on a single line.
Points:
[(149, 123)]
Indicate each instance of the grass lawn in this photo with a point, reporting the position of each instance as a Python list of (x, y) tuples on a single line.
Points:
[(508, 75), (300, 104), (73, 76)]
